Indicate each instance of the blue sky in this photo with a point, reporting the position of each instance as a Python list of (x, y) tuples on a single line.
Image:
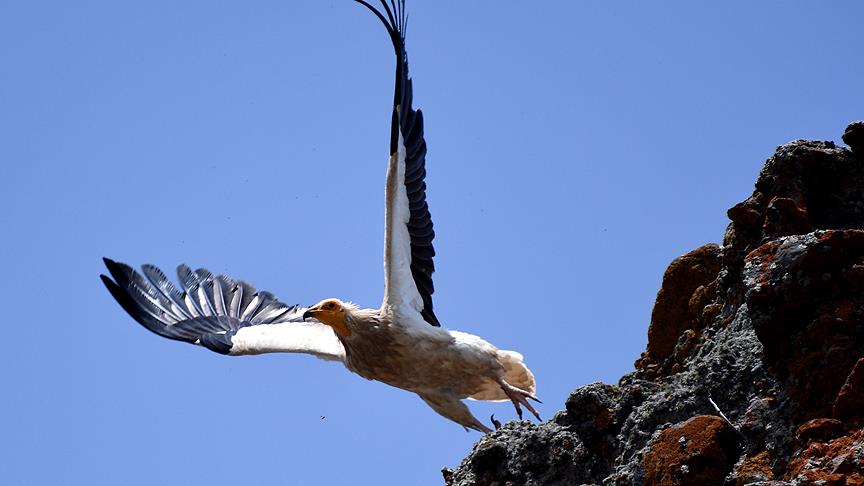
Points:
[(575, 148)]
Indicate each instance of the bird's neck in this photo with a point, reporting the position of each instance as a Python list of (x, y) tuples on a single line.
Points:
[(361, 322)]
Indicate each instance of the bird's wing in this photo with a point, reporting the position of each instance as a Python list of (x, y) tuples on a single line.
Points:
[(408, 249), (222, 314)]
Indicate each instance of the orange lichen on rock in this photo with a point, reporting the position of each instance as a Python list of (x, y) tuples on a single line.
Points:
[(836, 463), (700, 451), (783, 217), (673, 311), (820, 430), (753, 468), (802, 299)]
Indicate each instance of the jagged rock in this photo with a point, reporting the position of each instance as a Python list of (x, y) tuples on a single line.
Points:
[(770, 326)]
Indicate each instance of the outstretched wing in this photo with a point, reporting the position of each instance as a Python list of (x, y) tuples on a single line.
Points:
[(408, 249), (222, 314)]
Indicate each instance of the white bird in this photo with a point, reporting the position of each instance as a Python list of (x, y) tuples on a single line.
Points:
[(401, 343)]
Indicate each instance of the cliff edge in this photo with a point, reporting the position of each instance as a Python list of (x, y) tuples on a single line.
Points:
[(766, 330)]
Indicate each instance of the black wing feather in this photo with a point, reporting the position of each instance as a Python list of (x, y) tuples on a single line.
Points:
[(409, 122), (149, 301), (163, 285)]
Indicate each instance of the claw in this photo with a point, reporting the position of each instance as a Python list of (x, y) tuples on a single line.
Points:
[(520, 397), (496, 423)]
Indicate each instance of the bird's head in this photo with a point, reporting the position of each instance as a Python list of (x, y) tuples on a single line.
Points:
[(331, 312)]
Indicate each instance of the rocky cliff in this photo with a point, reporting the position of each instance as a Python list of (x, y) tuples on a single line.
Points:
[(754, 370)]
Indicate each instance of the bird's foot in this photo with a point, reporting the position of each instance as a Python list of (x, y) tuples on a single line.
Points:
[(520, 398)]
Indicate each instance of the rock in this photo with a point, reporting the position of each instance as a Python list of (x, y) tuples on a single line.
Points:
[(807, 313), (688, 276), (755, 469), (595, 404), (849, 405), (837, 463), (521, 453), (748, 214), (783, 217), (770, 326), (810, 184), (698, 452), (820, 430), (854, 136)]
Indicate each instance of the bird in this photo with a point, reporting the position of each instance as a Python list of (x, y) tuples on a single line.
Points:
[(401, 343)]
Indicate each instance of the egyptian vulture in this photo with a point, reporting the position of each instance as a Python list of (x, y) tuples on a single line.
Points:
[(401, 343)]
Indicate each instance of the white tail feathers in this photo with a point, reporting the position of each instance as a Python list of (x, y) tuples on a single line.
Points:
[(515, 373)]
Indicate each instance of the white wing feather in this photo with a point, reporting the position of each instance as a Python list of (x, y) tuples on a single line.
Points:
[(293, 337), (400, 291)]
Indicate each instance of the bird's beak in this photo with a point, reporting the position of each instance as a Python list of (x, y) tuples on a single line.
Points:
[(309, 313)]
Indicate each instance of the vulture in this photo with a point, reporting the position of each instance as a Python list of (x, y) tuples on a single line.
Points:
[(402, 343)]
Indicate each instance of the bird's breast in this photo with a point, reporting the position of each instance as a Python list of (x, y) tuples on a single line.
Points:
[(422, 364)]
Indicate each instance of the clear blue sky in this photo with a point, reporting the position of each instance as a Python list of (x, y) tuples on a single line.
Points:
[(575, 148)]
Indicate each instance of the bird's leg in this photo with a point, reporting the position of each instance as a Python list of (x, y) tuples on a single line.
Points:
[(478, 426), (452, 407), (519, 397)]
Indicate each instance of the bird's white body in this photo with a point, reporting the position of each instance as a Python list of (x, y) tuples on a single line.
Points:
[(441, 366), (439, 361)]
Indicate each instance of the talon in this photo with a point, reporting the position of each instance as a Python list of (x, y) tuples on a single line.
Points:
[(496, 423), (533, 412), (520, 397)]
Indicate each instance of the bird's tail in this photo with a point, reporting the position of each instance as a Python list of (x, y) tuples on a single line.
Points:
[(515, 373)]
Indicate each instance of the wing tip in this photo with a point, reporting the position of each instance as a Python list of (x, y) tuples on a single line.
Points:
[(119, 271), (127, 303), (106, 280), (109, 263)]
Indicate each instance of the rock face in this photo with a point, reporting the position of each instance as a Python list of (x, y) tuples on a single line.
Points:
[(769, 327)]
